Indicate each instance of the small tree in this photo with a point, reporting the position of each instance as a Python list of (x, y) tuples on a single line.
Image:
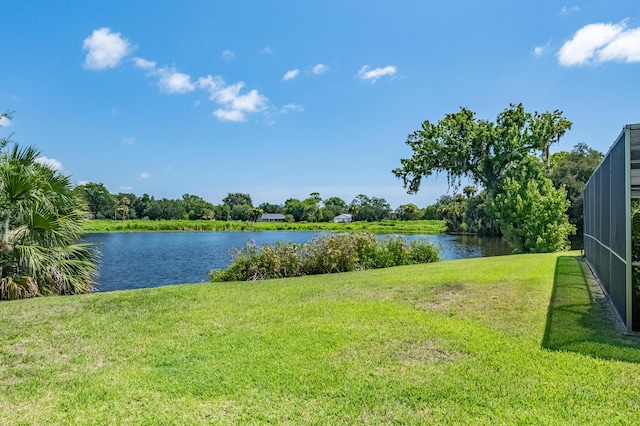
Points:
[(98, 198), (531, 212), (256, 214), (408, 212), (295, 208), (368, 209), (196, 207), (236, 199), (241, 212)]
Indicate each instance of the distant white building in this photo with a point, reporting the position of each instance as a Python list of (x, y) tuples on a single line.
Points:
[(272, 217), (343, 218)]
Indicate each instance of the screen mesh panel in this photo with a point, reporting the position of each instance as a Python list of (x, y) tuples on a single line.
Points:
[(606, 198)]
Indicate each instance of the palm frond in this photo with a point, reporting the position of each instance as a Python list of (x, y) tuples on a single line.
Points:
[(20, 288), (43, 221)]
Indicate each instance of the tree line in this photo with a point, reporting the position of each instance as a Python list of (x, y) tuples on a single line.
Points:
[(239, 206)]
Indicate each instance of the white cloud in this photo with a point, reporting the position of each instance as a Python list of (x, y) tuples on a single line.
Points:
[(625, 48), (235, 105), (292, 107), (320, 69), (211, 83), (597, 43), (126, 188), (144, 63), (230, 115), (171, 81), (366, 73), (567, 10), (4, 121), (82, 182), (267, 50), (128, 141), (251, 102), (541, 50), (145, 175), (106, 49), (52, 163), (228, 54), (291, 74)]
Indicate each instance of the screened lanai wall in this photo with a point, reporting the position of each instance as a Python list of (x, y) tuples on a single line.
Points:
[(607, 220)]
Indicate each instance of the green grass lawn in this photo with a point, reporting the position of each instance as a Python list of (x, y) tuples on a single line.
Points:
[(429, 227), (507, 340)]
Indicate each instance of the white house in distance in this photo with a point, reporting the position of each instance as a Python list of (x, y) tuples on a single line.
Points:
[(272, 217), (342, 218)]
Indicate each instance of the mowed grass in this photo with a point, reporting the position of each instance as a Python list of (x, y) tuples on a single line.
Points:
[(521, 339), (429, 227)]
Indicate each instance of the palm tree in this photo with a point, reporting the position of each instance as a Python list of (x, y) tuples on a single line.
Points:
[(469, 191), (41, 221)]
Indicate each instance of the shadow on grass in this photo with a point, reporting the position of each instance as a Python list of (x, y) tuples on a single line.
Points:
[(579, 318)]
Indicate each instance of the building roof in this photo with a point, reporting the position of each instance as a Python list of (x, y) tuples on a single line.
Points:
[(272, 216)]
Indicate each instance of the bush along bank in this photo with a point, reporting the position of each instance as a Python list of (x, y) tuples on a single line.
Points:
[(325, 255)]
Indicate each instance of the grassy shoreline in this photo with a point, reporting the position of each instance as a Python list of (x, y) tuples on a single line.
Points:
[(505, 340), (427, 227)]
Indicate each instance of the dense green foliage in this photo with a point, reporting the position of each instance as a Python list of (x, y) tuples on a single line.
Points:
[(98, 198), (489, 341), (531, 212), (369, 209), (465, 147), (41, 220), (499, 157), (572, 170), (324, 255), (467, 215)]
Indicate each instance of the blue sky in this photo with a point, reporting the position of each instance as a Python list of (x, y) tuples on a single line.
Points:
[(279, 99)]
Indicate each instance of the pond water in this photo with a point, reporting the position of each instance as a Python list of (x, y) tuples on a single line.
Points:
[(132, 260)]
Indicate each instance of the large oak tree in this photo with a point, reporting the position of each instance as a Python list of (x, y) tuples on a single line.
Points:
[(486, 153)]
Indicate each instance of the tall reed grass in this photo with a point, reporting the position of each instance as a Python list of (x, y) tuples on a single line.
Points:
[(324, 255)]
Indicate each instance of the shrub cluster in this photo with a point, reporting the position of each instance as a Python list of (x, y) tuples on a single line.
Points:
[(324, 255)]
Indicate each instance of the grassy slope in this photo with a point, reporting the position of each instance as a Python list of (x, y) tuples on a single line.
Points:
[(503, 340), (429, 227)]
